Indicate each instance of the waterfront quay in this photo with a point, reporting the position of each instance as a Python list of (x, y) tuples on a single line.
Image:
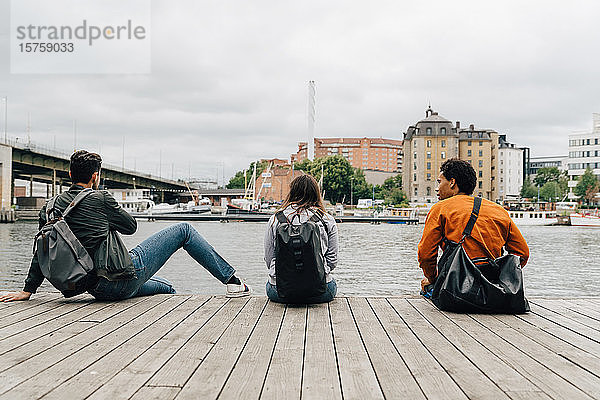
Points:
[(265, 218), (208, 347)]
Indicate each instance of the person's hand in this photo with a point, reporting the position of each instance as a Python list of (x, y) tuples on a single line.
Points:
[(424, 282), (15, 296)]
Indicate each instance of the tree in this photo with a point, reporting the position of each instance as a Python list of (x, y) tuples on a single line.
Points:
[(528, 190), (393, 182), (588, 186), (551, 191), (548, 174), (237, 181), (396, 197), (337, 174)]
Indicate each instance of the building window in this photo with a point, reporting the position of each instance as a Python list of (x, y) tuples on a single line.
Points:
[(480, 174), (480, 152), (468, 153), (428, 191), (480, 184), (429, 143), (443, 143), (428, 131), (415, 155), (415, 166), (415, 179), (480, 143), (428, 176), (428, 165), (480, 163), (468, 142), (429, 155), (443, 131), (443, 155), (416, 192)]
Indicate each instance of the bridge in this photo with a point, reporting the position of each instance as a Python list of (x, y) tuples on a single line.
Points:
[(36, 163)]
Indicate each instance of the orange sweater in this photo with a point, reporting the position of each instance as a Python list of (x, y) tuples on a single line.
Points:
[(448, 218)]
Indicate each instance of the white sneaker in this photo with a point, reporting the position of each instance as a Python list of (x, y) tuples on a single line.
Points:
[(240, 290)]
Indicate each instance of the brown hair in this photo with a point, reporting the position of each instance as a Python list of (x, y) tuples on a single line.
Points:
[(304, 193)]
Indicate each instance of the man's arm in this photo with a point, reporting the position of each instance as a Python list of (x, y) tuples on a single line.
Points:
[(118, 219), (34, 276), (516, 244), (430, 241)]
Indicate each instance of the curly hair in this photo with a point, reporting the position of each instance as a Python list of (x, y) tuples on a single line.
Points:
[(462, 172), (83, 165)]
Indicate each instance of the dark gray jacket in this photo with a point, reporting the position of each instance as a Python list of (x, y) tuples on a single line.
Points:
[(91, 221)]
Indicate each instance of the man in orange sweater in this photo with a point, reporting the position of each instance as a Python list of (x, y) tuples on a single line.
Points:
[(494, 230)]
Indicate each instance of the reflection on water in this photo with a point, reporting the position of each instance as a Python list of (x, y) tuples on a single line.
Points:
[(374, 260)]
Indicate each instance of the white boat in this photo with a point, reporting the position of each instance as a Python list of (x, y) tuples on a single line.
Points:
[(580, 219), (133, 200), (526, 218)]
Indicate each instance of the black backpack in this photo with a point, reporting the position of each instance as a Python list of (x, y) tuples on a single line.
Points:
[(63, 259), (299, 263)]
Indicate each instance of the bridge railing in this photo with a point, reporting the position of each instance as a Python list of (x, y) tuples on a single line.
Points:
[(53, 152)]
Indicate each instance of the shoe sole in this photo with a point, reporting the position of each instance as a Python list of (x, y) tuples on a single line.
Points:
[(241, 294)]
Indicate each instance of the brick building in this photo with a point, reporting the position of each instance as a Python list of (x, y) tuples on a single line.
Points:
[(375, 154)]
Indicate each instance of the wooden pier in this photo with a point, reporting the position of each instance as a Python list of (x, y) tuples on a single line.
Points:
[(208, 347)]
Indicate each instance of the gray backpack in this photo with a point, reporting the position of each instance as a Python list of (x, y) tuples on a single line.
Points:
[(63, 259)]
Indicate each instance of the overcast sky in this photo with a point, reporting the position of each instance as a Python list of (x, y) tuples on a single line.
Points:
[(229, 79)]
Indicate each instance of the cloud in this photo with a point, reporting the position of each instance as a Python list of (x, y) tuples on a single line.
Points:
[(229, 79)]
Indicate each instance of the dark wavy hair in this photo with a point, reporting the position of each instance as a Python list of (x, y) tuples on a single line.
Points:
[(304, 193), (462, 172), (83, 165)]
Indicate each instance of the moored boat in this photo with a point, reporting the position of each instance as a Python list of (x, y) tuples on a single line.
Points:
[(589, 219), (525, 218)]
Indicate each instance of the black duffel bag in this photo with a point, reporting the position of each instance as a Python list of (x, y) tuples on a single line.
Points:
[(491, 286)]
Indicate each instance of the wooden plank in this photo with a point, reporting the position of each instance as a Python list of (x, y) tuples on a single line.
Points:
[(568, 323), (13, 307), (554, 374), (287, 358), (128, 380), (33, 367), (586, 308), (492, 361), (89, 379), (433, 380), (156, 393), (471, 380), (393, 375), (210, 377), (13, 323), (357, 376), (563, 308), (248, 376), (562, 332), (186, 360), (553, 343), (14, 341), (320, 379)]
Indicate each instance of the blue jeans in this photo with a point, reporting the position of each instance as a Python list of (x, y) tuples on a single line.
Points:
[(330, 291), (150, 255)]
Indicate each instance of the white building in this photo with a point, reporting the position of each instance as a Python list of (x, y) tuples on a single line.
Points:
[(584, 152), (510, 169)]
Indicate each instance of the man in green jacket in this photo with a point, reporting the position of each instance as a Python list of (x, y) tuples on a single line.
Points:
[(99, 216)]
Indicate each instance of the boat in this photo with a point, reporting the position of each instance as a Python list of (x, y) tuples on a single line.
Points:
[(585, 219), (133, 200), (527, 218)]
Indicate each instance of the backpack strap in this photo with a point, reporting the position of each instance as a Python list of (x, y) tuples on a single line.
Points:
[(80, 196), (50, 208), (473, 218), (281, 217), (318, 217)]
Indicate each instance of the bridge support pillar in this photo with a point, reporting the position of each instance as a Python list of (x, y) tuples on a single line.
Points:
[(30, 185), (5, 177), (53, 182)]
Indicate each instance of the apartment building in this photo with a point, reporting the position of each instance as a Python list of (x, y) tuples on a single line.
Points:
[(479, 147), (374, 154), (427, 144), (584, 152), (510, 169)]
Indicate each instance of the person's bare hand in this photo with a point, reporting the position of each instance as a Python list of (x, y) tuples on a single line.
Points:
[(424, 282), (15, 296)]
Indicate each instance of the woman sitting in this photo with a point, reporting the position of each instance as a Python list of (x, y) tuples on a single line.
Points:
[(301, 247)]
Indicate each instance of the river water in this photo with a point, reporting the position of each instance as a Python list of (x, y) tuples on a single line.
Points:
[(374, 260)]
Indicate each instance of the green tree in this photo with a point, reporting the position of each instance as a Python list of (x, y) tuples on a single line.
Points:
[(396, 197), (337, 173), (393, 182), (237, 181), (548, 174), (588, 186), (551, 191), (528, 190)]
